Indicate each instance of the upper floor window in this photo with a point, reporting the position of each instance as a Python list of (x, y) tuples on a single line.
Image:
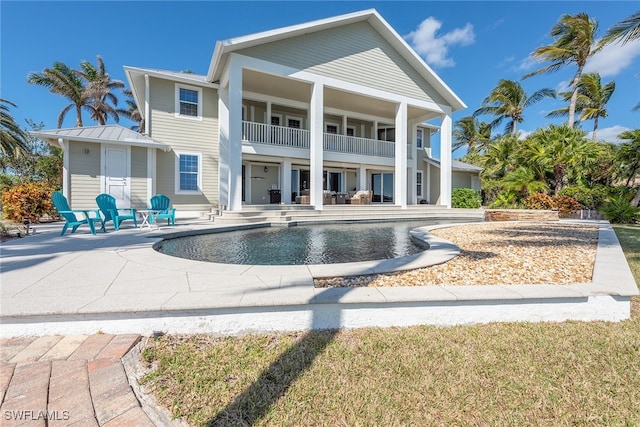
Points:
[(331, 128), (419, 135), (188, 172), (387, 134), (188, 102)]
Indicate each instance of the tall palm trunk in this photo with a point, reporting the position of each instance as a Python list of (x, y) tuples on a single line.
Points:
[(574, 96), (595, 128), (78, 116)]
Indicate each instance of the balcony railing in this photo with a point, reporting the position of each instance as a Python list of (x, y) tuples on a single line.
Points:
[(360, 146), (260, 133)]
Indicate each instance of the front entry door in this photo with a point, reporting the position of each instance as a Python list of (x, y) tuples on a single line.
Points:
[(116, 174)]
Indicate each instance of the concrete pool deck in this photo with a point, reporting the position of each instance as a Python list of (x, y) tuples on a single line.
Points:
[(116, 283)]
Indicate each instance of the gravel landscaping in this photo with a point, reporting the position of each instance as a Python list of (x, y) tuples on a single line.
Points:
[(501, 253)]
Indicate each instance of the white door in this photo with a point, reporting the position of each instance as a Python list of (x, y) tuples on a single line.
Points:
[(116, 174)]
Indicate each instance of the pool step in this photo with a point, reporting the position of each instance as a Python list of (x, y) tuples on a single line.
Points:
[(284, 215)]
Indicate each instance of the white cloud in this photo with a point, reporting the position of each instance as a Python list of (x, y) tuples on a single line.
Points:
[(609, 134), (525, 64), (613, 58), (435, 48), (563, 86), (523, 134)]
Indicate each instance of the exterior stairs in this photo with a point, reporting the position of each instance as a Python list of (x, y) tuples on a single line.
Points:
[(287, 215)]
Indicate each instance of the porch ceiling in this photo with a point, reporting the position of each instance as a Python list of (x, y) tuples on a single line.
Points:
[(270, 85)]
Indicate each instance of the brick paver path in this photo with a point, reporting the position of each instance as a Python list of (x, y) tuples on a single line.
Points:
[(64, 381)]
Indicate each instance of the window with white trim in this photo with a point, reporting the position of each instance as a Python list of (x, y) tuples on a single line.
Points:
[(188, 173), (188, 102), (419, 184), (331, 128), (351, 131), (419, 135)]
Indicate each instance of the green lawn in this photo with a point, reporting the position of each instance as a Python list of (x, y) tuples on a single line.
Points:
[(570, 373)]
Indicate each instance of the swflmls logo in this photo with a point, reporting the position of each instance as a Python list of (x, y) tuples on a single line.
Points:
[(36, 415)]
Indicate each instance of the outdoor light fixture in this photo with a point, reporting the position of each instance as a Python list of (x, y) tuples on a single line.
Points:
[(266, 169)]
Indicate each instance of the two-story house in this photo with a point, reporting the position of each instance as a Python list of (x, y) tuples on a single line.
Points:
[(335, 105)]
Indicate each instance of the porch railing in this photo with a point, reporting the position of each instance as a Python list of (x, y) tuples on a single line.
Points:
[(356, 145), (260, 133)]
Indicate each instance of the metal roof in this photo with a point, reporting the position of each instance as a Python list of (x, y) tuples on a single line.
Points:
[(111, 134), (456, 165)]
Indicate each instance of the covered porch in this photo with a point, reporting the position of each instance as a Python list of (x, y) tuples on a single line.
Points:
[(316, 136)]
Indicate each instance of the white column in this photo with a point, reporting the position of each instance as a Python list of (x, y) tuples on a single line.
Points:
[(400, 177), (445, 159), (65, 168), (285, 179), (428, 193), (147, 112), (344, 125), (223, 146), (362, 178), (151, 173), (316, 144), (413, 166), (235, 135)]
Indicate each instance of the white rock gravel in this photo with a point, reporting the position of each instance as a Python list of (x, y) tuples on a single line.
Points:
[(500, 253)]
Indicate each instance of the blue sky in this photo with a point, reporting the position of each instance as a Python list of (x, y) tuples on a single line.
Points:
[(470, 45)]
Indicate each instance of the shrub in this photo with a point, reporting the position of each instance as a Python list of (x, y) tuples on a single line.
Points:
[(589, 198), (620, 210), (539, 201), (566, 205), (27, 200), (465, 198)]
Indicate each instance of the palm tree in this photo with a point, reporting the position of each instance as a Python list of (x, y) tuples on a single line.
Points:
[(499, 158), (473, 134), (571, 154), (623, 31), (523, 182), (62, 80), (13, 140), (591, 102), (629, 158), (99, 90), (132, 112), (508, 101), (574, 40)]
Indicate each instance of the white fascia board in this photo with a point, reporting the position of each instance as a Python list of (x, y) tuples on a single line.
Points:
[(138, 98), (171, 76)]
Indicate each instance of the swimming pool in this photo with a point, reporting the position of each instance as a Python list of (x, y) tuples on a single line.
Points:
[(301, 244)]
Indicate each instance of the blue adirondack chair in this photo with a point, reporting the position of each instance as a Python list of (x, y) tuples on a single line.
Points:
[(71, 217), (110, 212), (162, 204)]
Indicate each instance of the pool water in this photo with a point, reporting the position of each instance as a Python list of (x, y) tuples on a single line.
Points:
[(301, 245)]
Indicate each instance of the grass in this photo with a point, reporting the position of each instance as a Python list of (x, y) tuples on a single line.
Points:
[(569, 373)]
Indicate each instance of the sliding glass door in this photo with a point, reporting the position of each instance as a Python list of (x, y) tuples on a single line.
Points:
[(382, 187)]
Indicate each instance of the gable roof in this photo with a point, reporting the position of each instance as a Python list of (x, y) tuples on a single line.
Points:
[(225, 47), (111, 134), (456, 165)]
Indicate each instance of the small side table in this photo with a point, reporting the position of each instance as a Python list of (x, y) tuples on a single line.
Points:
[(146, 214)]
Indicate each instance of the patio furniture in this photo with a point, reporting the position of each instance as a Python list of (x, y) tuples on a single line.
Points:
[(71, 215), (107, 205), (360, 197), (162, 204)]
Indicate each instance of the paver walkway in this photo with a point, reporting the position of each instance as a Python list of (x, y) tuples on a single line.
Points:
[(72, 380)]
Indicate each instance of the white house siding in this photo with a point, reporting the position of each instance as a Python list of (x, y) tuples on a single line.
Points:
[(354, 53), (84, 167), (139, 178), (187, 135)]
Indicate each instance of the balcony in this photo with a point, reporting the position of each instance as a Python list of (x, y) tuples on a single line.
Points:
[(260, 133)]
